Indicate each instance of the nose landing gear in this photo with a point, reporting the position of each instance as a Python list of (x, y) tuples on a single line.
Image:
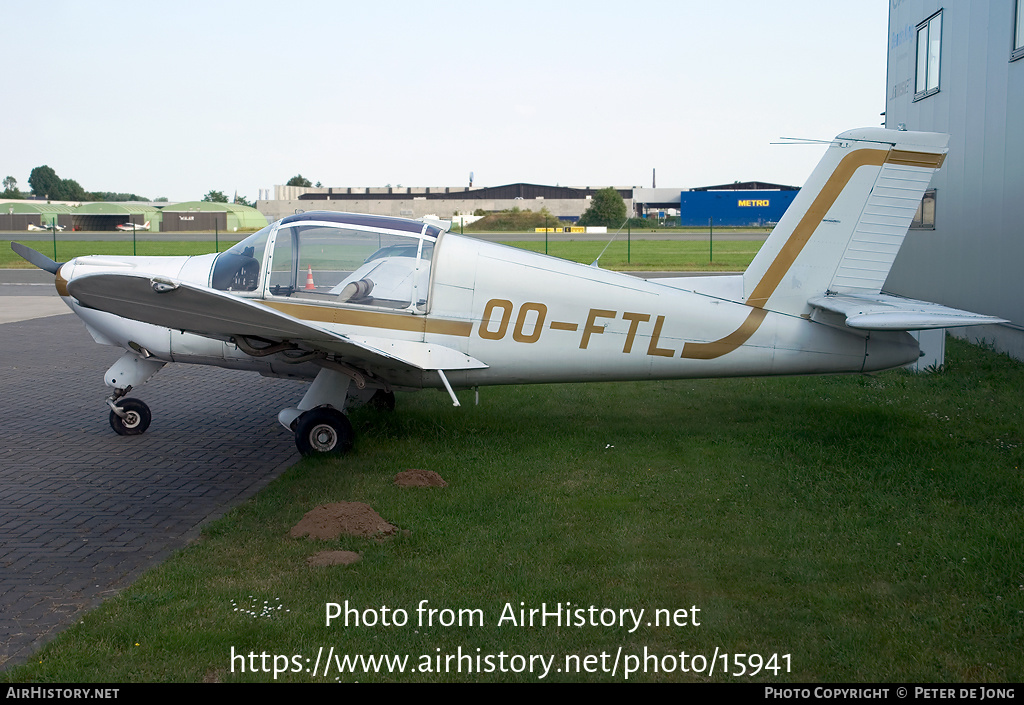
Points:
[(129, 417)]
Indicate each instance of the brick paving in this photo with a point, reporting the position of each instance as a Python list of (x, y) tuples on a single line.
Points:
[(84, 511)]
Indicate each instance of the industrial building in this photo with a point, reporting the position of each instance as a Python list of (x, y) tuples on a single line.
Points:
[(762, 203), (959, 68), (441, 201)]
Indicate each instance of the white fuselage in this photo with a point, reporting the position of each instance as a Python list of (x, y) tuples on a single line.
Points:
[(530, 318)]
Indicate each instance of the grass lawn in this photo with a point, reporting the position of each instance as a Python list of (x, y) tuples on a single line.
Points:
[(845, 528), (653, 255), (69, 249), (649, 255)]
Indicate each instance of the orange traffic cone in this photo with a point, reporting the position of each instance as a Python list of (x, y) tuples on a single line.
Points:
[(309, 279)]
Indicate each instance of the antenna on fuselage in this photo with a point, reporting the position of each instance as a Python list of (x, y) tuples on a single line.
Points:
[(614, 235), (801, 140)]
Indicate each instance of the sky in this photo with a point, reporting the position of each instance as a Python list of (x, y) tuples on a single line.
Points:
[(177, 99)]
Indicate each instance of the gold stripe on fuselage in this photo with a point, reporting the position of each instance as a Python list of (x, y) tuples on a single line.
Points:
[(709, 351), (372, 319)]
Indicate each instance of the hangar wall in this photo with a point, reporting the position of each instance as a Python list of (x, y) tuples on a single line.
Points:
[(959, 68), (204, 215), (101, 216), (18, 215)]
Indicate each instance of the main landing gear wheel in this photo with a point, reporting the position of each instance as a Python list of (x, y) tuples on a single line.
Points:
[(135, 420), (323, 431)]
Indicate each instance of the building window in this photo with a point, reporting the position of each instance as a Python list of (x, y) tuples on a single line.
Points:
[(924, 219), (929, 46), (1018, 31)]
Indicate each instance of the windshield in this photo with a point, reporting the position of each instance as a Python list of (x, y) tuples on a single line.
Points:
[(340, 258), (238, 269)]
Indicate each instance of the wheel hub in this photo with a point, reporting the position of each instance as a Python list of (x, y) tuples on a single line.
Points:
[(323, 438)]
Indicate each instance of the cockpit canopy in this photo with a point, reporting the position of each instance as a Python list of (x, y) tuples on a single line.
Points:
[(325, 256)]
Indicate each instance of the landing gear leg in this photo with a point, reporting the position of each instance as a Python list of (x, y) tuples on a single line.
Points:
[(382, 401), (130, 417)]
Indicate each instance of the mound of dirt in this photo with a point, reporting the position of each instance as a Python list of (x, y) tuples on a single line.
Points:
[(419, 478), (333, 558), (329, 521)]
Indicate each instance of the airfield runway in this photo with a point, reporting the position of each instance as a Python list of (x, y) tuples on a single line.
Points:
[(86, 511)]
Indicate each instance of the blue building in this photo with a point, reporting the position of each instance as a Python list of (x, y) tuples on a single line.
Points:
[(741, 204)]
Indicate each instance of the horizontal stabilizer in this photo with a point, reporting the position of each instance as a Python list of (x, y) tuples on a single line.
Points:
[(884, 312), (215, 314)]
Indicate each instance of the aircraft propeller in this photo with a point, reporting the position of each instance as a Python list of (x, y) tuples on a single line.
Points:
[(36, 258)]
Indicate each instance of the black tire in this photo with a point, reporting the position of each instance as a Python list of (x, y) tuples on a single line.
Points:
[(135, 421), (323, 431), (382, 401)]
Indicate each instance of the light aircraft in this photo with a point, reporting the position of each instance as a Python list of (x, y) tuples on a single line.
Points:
[(130, 227), (32, 226), (363, 305)]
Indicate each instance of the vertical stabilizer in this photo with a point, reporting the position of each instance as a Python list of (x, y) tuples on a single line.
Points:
[(845, 227)]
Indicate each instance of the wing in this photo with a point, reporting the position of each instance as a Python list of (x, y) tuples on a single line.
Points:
[(216, 314), (884, 312)]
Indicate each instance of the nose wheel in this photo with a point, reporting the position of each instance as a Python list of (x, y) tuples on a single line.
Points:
[(129, 417), (323, 431)]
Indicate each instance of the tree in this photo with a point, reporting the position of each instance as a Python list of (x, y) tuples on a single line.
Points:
[(607, 208), (215, 197), (45, 182), (113, 196), (11, 188), (242, 201), (299, 180), (70, 190)]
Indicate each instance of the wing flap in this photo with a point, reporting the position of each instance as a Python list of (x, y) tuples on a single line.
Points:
[(885, 312), (212, 313)]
